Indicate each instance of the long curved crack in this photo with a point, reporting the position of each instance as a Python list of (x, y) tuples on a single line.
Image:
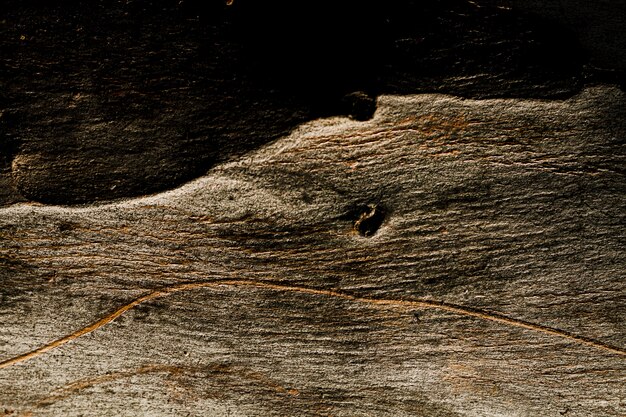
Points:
[(423, 304)]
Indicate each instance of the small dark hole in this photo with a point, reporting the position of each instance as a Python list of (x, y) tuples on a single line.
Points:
[(370, 220), (66, 226), (359, 105), (432, 281), (416, 316)]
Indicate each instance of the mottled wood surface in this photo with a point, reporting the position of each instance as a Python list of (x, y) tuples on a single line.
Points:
[(447, 257), (216, 208)]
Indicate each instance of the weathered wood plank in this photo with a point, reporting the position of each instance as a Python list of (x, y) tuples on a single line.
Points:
[(110, 99), (512, 210)]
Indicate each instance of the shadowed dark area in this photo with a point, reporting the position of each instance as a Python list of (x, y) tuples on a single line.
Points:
[(112, 99)]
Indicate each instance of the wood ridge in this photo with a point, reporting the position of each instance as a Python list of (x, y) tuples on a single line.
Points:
[(438, 305)]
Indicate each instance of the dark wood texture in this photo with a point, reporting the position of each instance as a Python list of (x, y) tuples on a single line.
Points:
[(111, 99), (210, 211)]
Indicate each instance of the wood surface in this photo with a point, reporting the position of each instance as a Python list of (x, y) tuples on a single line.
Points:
[(493, 286), (441, 234), (109, 99)]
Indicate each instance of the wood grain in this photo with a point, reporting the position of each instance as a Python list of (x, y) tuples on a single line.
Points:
[(493, 284), (109, 99)]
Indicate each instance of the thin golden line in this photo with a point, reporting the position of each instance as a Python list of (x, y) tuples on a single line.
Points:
[(465, 311), (94, 326)]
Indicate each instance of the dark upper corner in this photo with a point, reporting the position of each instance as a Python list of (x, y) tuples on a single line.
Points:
[(114, 99)]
